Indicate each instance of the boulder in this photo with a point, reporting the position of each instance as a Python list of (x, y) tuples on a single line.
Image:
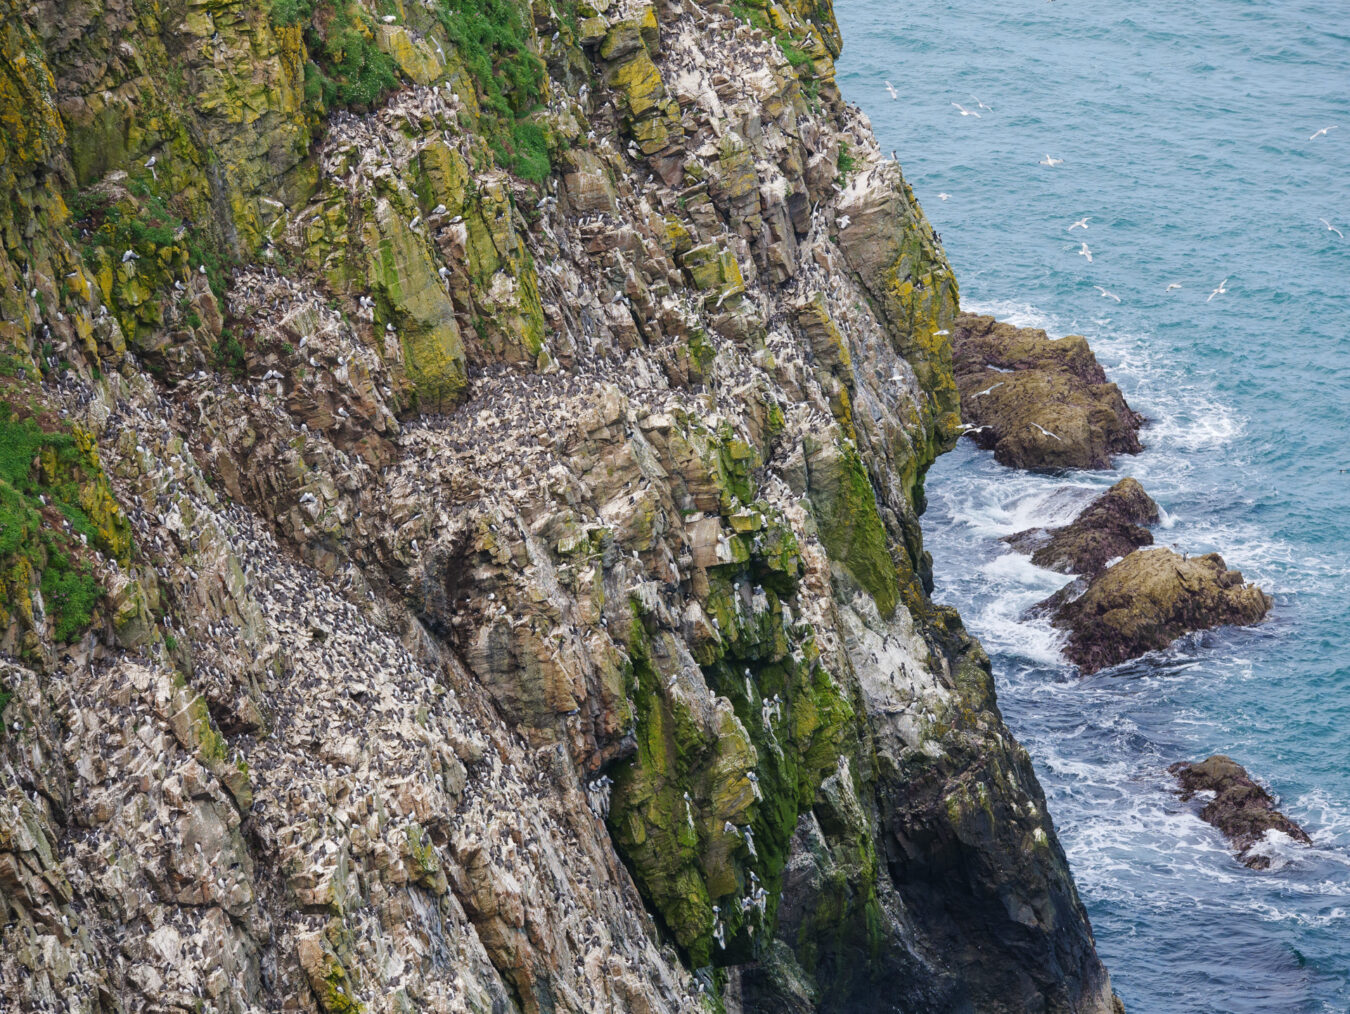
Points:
[(1107, 528), (1241, 809), (1036, 401), (1149, 599)]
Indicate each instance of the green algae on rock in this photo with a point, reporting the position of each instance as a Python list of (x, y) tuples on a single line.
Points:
[(1038, 402), (1148, 600)]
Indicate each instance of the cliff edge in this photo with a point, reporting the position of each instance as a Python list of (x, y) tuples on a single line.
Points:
[(459, 542)]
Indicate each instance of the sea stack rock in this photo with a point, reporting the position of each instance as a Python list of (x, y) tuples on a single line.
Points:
[(1107, 528), (1241, 809), (1148, 600), (1038, 402)]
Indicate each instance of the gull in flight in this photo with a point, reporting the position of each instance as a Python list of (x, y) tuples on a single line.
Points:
[(1322, 132), (943, 196), (1082, 223), (1046, 431), (891, 88), (965, 111), (980, 394), (1332, 228), (1051, 162), (1174, 285), (1083, 251), (1221, 289), (1107, 295), (979, 103)]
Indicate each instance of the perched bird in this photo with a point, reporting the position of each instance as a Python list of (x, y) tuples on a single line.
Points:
[(1083, 251), (1220, 290), (1082, 223), (1051, 162), (965, 111)]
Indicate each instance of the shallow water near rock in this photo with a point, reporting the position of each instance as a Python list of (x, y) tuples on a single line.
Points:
[(1184, 131)]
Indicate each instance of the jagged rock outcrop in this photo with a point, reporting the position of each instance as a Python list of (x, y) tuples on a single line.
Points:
[(1148, 600), (1108, 528), (1039, 402), (1241, 809), (459, 542)]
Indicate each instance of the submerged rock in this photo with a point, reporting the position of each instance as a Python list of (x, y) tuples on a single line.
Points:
[(1107, 528), (1241, 809), (1148, 600), (1039, 402)]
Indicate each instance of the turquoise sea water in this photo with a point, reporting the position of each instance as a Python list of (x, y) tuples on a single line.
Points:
[(1185, 134)]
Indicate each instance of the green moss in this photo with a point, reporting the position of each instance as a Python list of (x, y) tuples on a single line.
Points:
[(846, 163), (55, 508), (345, 68), (230, 355), (850, 525)]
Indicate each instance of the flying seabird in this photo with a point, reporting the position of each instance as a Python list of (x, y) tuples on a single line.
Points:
[(1046, 431), (1083, 251), (1173, 285), (943, 196), (891, 88), (1322, 132), (1082, 223), (965, 111), (1218, 291), (1332, 228), (1105, 294), (1052, 162)]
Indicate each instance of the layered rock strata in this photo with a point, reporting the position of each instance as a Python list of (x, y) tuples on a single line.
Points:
[(1039, 402), (1241, 809), (460, 543)]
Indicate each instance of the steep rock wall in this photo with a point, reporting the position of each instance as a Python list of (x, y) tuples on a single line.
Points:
[(461, 549)]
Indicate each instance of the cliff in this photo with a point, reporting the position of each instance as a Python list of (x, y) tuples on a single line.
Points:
[(459, 542)]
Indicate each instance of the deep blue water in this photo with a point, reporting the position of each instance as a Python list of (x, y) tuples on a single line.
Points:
[(1184, 130)]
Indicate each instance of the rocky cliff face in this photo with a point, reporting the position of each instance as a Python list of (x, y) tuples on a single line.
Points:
[(459, 542)]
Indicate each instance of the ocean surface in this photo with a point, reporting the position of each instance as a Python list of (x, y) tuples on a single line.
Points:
[(1185, 133)]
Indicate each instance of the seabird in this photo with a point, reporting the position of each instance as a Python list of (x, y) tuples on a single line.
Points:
[(891, 88), (1083, 251), (1082, 223), (1221, 289), (1108, 295), (1174, 285), (1332, 228), (1052, 162), (1046, 431), (980, 394), (965, 111), (943, 196), (979, 103), (1322, 132)]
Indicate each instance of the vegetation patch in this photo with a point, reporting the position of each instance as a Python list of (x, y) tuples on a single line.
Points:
[(56, 509), (490, 38)]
